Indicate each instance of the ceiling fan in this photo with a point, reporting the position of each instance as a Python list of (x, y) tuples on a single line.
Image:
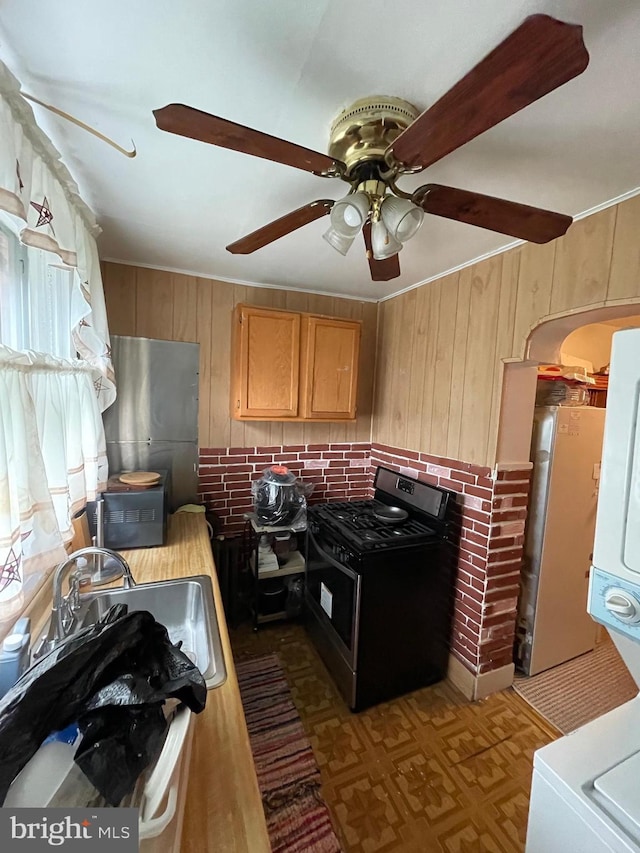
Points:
[(376, 140)]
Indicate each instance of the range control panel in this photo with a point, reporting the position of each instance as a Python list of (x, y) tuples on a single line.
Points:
[(407, 486), (615, 603)]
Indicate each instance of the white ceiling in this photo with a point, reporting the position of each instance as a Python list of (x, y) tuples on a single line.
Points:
[(288, 67)]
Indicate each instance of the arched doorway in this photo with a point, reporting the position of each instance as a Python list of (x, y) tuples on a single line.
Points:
[(545, 345)]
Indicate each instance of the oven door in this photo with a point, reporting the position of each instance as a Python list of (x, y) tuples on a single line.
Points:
[(332, 592)]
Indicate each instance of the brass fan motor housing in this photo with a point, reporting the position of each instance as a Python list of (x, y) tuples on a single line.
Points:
[(365, 130)]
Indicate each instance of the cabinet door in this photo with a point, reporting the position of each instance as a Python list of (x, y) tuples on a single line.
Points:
[(266, 361), (329, 370)]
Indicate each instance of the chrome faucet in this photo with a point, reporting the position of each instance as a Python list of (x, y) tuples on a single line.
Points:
[(64, 608)]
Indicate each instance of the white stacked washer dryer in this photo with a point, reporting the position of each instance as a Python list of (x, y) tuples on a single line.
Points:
[(585, 795)]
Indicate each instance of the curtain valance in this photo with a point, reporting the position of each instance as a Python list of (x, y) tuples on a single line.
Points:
[(44, 207)]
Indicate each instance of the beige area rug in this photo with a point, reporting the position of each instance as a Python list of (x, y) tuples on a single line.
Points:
[(580, 690)]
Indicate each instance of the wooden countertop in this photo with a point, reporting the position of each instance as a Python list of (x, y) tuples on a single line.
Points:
[(223, 812)]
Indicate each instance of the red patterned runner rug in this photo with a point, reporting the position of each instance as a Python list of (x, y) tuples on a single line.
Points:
[(298, 819)]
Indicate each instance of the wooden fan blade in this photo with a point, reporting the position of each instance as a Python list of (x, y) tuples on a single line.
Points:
[(496, 214), (279, 227), (187, 121), (540, 55), (380, 270)]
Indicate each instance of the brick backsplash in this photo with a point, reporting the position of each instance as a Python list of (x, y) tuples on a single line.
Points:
[(489, 522), (337, 471), (488, 518)]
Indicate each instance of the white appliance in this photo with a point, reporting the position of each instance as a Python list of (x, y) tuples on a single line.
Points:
[(51, 778), (585, 796), (553, 623)]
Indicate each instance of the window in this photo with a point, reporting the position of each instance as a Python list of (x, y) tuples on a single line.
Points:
[(13, 290), (40, 301), (50, 305), (52, 448)]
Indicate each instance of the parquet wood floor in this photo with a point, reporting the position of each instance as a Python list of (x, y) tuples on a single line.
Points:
[(429, 772)]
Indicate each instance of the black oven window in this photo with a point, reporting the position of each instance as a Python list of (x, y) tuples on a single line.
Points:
[(334, 592)]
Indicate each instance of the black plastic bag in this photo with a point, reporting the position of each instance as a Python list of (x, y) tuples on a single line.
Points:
[(111, 762), (280, 498), (111, 678)]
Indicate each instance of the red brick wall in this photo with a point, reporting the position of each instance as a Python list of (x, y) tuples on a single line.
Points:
[(489, 520), (338, 472)]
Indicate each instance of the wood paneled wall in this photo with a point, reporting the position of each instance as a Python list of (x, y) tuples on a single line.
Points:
[(442, 347), (170, 306)]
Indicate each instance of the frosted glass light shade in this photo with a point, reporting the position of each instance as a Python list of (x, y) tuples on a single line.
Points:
[(383, 244), (402, 217), (349, 214), (339, 242)]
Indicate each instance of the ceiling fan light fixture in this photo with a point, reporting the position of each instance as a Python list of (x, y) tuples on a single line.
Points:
[(349, 214), (383, 244), (339, 242), (379, 138), (401, 217)]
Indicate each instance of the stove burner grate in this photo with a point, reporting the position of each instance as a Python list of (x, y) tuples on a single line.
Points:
[(356, 521)]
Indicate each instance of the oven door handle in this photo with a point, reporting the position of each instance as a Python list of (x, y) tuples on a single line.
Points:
[(349, 572)]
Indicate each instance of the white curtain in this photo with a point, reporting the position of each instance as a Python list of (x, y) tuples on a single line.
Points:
[(41, 202), (56, 374), (55, 306), (52, 459), (41, 301)]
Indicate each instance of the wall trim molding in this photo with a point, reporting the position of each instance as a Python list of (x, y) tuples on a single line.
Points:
[(475, 687), (239, 281), (545, 339), (461, 677), (513, 466), (494, 681)]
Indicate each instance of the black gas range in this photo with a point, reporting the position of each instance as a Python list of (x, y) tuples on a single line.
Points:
[(379, 588)]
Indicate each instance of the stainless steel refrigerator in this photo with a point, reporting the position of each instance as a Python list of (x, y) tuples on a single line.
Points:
[(553, 623), (153, 424)]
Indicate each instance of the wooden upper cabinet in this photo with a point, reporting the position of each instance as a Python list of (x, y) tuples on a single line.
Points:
[(292, 366), (329, 368), (266, 363)]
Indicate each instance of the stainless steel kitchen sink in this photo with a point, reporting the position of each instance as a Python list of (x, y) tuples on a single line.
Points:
[(185, 606)]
